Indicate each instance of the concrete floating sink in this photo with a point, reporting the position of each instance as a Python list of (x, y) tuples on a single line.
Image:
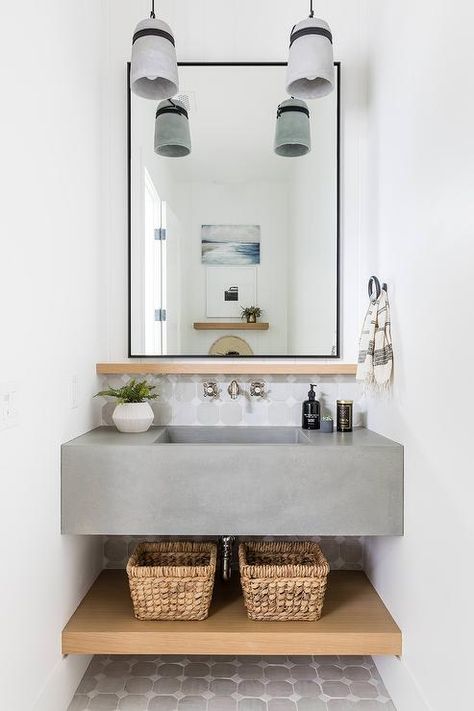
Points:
[(231, 435), (194, 481)]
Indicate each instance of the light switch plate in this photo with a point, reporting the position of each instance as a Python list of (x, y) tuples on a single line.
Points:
[(9, 415)]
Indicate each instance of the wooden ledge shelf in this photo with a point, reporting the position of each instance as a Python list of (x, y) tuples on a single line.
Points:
[(230, 326), (214, 366), (355, 621)]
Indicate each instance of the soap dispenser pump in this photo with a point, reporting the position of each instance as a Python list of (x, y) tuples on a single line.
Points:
[(311, 411)]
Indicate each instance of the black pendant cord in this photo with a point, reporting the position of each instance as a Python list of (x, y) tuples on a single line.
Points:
[(152, 14), (311, 10)]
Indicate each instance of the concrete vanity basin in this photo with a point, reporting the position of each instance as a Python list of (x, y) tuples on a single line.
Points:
[(232, 435), (195, 481)]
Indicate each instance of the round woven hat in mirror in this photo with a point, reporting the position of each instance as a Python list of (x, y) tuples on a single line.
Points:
[(230, 346)]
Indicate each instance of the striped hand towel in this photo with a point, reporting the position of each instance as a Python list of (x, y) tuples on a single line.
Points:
[(375, 346)]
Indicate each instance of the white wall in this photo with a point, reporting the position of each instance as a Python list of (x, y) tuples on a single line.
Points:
[(420, 227), (51, 296), (209, 30)]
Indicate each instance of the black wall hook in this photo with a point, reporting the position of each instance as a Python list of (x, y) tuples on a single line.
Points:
[(374, 282)]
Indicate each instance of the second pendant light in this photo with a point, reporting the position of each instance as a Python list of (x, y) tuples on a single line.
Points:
[(172, 135), (293, 133)]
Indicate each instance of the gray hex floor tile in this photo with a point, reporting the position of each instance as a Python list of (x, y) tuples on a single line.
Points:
[(311, 704), (251, 687), (331, 672), (166, 685), (223, 687), (175, 670), (307, 688), (104, 702), (252, 705), (133, 702), (279, 689), (341, 705), (138, 685), (281, 705), (364, 690), (163, 703), (227, 683), (278, 673), (304, 671), (336, 689), (196, 669), (251, 671)]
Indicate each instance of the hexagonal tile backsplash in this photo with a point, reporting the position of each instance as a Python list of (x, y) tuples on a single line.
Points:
[(181, 400)]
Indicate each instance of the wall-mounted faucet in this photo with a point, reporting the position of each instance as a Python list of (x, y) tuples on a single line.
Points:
[(211, 390), (234, 390)]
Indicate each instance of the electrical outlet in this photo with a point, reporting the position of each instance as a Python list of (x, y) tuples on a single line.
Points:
[(9, 415), (74, 392)]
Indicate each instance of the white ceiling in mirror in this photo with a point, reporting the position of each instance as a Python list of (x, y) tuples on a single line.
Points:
[(234, 179)]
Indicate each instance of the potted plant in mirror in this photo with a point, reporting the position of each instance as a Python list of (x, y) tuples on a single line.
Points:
[(327, 424), (132, 412), (251, 313)]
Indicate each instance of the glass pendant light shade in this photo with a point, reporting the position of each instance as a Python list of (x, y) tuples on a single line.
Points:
[(172, 135), (310, 71), (154, 70), (293, 133)]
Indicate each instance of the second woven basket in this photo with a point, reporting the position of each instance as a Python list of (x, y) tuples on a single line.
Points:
[(283, 581)]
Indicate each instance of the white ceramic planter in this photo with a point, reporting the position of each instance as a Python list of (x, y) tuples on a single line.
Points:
[(133, 417)]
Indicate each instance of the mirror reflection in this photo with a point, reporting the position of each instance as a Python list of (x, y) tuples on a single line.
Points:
[(234, 218)]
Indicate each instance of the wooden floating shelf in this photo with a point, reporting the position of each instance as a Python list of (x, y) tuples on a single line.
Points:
[(230, 326), (216, 365), (354, 621)]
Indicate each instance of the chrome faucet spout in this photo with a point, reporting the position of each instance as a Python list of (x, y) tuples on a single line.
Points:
[(234, 390)]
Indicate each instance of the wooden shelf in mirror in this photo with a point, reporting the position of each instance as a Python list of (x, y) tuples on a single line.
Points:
[(214, 366), (354, 621), (230, 326)]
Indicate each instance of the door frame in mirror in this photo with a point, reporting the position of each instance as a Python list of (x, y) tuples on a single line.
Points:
[(337, 354)]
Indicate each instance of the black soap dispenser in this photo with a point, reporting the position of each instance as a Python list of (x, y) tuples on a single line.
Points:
[(311, 411)]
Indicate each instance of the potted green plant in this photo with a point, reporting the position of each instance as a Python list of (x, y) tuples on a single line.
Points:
[(251, 313), (132, 412), (327, 424)]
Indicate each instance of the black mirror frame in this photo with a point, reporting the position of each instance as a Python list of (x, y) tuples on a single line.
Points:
[(337, 354)]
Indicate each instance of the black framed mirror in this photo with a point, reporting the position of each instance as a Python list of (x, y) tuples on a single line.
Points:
[(233, 224)]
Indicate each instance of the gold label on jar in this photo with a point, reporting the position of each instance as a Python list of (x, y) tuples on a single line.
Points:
[(344, 415)]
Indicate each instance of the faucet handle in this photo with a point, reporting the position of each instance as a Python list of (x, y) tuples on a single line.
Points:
[(257, 389), (210, 389)]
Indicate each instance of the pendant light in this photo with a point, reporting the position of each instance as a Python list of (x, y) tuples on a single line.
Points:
[(172, 135), (310, 64), (154, 71), (293, 133)]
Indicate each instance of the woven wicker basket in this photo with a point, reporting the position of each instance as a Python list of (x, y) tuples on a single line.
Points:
[(172, 580), (283, 581)]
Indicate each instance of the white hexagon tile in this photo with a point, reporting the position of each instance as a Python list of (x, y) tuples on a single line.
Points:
[(166, 683), (181, 399)]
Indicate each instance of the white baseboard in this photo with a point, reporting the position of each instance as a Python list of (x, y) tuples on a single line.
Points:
[(405, 693), (62, 683)]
